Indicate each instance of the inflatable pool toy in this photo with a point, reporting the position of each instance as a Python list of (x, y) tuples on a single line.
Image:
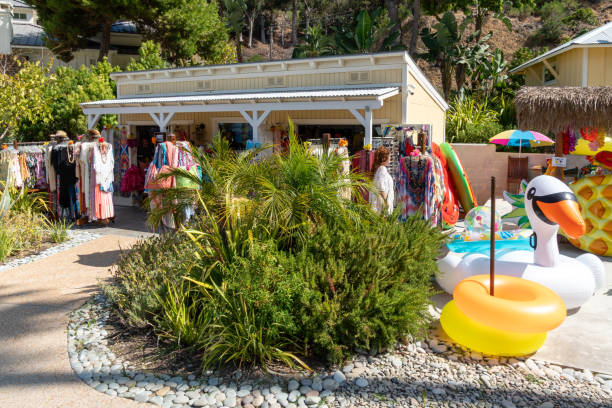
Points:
[(480, 242), (450, 203), (514, 322), (550, 204), (584, 148), (518, 215), (594, 195), (478, 219), (459, 177)]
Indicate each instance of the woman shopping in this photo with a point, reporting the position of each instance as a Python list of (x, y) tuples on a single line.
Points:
[(383, 182)]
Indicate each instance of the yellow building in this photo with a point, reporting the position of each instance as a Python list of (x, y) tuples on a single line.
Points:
[(584, 61), (341, 95)]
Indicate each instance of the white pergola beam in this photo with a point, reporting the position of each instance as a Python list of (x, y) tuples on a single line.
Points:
[(255, 120), (92, 119), (366, 122)]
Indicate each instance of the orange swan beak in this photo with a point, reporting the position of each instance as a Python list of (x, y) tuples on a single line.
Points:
[(566, 213)]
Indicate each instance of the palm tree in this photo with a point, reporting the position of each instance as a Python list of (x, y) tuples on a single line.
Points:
[(285, 197)]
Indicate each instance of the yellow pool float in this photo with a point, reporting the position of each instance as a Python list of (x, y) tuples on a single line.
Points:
[(514, 322)]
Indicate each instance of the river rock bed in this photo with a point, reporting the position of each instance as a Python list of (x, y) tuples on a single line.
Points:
[(75, 238), (422, 373)]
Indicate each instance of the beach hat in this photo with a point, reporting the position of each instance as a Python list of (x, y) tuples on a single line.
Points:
[(60, 133)]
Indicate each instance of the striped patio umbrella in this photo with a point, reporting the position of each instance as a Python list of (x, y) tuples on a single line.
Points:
[(520, 138)]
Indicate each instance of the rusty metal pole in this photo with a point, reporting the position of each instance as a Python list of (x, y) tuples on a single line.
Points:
[(492, 254)]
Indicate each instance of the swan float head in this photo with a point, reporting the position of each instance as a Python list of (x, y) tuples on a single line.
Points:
[(551, 204)]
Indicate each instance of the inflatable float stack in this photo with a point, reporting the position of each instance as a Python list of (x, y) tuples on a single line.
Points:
[(514, 322)]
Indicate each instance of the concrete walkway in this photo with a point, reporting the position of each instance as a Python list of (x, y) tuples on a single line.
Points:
[(35, 302)]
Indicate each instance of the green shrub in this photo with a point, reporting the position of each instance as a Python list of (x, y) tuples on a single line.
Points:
[(27, 230), (278, 265), (58, 230), (468, 121), (143, 273), (368, 287), (7, 243), (583, 15)]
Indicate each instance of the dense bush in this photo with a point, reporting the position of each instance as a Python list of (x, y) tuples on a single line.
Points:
[(143, 274), (278, 266), (468, 121)]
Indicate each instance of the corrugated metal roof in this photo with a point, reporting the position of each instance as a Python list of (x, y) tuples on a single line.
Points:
[(357, 91), (27, 34), (599, 36)]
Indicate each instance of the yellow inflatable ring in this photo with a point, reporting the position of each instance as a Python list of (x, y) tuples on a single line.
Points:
[(519, 305), (485, 339)]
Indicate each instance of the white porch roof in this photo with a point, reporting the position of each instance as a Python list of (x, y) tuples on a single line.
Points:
[(253, 105), (276, 96)]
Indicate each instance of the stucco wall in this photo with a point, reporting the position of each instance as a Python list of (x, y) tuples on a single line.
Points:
[(481, 162)]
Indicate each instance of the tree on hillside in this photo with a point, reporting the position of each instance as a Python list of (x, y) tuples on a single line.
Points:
[(70, 24), (150, 57), (188, 31), (366, 36)]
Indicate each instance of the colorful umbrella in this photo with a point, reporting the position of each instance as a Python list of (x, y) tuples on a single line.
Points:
[(520, 138)]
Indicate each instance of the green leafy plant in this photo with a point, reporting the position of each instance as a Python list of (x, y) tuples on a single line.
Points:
[(7, 242), (366, 36), (469, 121), (58, 230), (28, 202)]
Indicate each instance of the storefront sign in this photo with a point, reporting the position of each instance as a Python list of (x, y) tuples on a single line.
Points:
[(558, 161)]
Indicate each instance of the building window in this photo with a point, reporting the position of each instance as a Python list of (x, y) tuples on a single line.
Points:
[(20, 16), (144, 89), (276, 81), (204, 85), (549, 78), (359, 77)]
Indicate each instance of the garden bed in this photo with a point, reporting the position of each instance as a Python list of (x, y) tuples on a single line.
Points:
[(432, 373), (48, 248)]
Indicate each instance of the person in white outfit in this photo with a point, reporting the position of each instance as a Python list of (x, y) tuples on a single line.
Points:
[(383, 183)]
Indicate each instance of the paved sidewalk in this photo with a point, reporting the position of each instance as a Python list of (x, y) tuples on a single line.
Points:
[(35, 302)]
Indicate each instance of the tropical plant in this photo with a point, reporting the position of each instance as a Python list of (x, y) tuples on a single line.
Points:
[(366, 36), (470, 121), (24, 201), (442, 47), (315, 44), (283, 196)]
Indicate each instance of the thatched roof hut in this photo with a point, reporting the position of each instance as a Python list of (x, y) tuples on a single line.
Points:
[(554, 109)]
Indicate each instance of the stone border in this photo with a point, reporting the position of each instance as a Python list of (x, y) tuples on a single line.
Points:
[(75, 238), (436, 372)]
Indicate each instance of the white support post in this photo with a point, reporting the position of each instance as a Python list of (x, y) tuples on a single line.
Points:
[(92, 120), (166, 120), (368, 126), (366, 122), (255, 120)]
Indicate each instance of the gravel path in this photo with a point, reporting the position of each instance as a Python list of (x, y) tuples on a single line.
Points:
[(432, 373), (75, 238)]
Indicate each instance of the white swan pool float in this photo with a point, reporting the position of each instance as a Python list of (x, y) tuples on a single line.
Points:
[(549, 204)]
